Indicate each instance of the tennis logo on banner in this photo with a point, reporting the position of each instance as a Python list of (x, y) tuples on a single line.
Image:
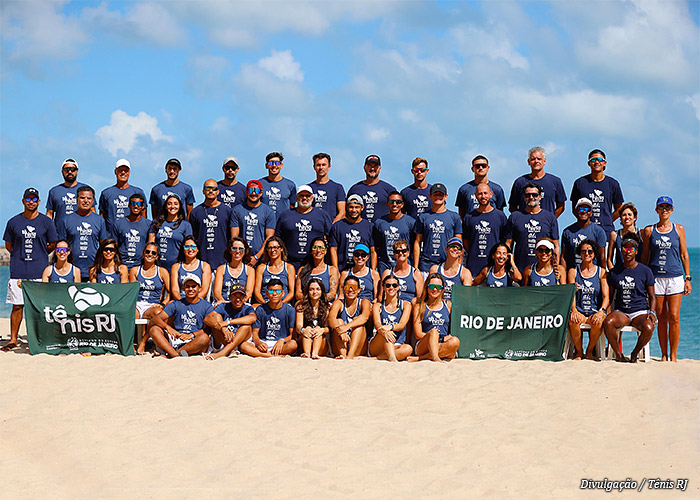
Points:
[(74, 317)]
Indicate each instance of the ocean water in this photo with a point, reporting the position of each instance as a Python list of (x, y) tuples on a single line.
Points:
[(688, 347)]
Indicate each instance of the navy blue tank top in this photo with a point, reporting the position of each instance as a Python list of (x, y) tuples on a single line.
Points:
[(439, 320), (69, 277), (450, 281), (588, 296), (392, 319), (495, 282), (407, 285), (182, 272), (665, 253), (150, 289), (230, 279), (537, 279), (282, 276), (366, 284)]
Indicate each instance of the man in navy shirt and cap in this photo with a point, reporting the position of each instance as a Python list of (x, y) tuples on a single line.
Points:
[(29, 237), (373, 191)]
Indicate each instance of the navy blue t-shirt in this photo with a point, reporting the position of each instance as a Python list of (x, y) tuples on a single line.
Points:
[(345, 236), (63, 201), (631, 287), (552, 193), (211, 228), (169, 240), (573, 235), (437, 229), (604, 195), (417, 200), (375, 197), (278, 195), (188, 317), (132, 237), (327, 196), (526, 230), (231, 195), (29, 238), (387, 232), (482, 231), (252, 223), (298, 230), (114, 205), (466, 197), (227, 311), (161, 191), (83, 234), (274, 324)]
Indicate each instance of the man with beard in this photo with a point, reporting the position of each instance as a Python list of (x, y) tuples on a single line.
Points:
[(417, 195), (254, 221), (349, 232), (581, 230), (211, 222), (63, 199), (373, 191), (482, 229), (434, 229), (132, 231), (391, 228), (231, 192)]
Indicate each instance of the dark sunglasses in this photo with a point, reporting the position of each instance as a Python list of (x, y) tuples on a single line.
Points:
[(31, 200), (136, 203), (391, 285), (274, 163), (401, 251), (531, 195), (150, 252)]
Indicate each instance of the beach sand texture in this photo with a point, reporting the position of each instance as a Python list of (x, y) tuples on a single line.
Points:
[(139, 427)]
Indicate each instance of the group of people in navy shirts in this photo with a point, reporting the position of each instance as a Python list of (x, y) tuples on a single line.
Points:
[(271, 268)]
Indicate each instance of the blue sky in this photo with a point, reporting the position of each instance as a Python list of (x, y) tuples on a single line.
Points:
[(204, 80)]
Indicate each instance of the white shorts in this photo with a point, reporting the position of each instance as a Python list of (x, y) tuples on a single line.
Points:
[(14, 292), (143, 306), (633, 315), (270, 344), (669, 286)]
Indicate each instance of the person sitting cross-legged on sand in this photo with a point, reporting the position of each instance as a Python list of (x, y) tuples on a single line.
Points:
[(178, 329), (274, 326), (312, 319), (347, 319), (431, 322), (230, 323), (391, 316)]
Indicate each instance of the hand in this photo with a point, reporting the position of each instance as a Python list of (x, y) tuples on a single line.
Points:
[(262, 346), (277, 348), (228, 334), (389, 335), (597, 318), (687, 288), (577, 317), (652, 317), (307, 332), (345, 337), (316, 331)]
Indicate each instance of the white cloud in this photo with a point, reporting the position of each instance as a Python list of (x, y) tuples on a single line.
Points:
[(124, 130), (492, 43), (377, 134), (694, 101), (282, 65)]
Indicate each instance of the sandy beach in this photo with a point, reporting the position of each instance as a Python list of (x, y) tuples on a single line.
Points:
[(142, 427)]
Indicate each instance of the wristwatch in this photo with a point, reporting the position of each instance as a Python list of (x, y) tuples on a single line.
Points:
[(688, 278)]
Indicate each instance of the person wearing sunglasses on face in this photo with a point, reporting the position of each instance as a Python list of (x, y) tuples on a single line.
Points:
[(236, 270), (546, 271), (211, 222), (390, 228), (61, 268), (348, 232), (467, 201), (348, 319), (452, 270), (29, 237), (582, 229), (431, 322), (63, 198), (278, 192), (253, 220), (274, 265), (410, 278), (171, 186), (231, 323), (132, 232), (434, 229), (274, 325), (666, 253), (317, 265), (603, 191), (526, 228), (108, 267), (391, 318), (231, 191), (114, 200), (417, 195), (367, 277), (188, 264), (154, 288), (628, 220)]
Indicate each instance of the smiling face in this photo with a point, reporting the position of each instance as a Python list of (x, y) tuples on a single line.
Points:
[(401, 253), (274, 166), (210, 189), (532, 197), (544, 254), (62, 251), (254, 194), (537, 161), (483, 194), (372, 170), (230, 170), (583, 213), (420, 172), (354, 210), (122, 173), (85, 201), (150, 253), (318, 250), (501, 256), (627, 217), (275, 294), (391, 286), (172, 206), (189, 247), (237, 300), (597, 163), (435, 288), (360, 257), (305, 199), (587, 253), (315, 291), (136, 206), (172, 171), (395, 204), (191, 289), (351, 288)]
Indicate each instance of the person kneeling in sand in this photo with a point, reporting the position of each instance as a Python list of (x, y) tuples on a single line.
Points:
[(347, 319), (230, 323), (274, 325), (178, 329)]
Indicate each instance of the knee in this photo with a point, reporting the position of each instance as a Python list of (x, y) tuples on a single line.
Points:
[(453, 343)]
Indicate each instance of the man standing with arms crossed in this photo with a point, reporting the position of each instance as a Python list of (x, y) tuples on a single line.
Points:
[(328, 195), (29, 237), (553, 194)]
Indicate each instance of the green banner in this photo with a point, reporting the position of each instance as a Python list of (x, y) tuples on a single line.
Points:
[(69, 318), (511, 323)]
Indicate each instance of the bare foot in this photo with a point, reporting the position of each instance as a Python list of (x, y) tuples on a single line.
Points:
[(340, 356), (304, 355), (633, 357), (664, 358), (9, 346), (620, 358)]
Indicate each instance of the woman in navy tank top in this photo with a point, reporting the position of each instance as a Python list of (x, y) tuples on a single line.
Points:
[(431, 322), (546, 271), (236, 270), (368, 278), (628, 219), (273, 264), (500, 270), (592, 298), (188, 262), (108, 267), (61, 268), (391, 317), (666, 253), (410, 279), (347, 319), (452, 269), (317, 265)]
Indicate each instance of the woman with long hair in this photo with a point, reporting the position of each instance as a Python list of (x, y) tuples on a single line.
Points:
[(410, 279), (274, 265), (108, 267), (666, 253), (391, 317), (317, 265), (592, 298), (367, 277), (347, 318), (61, 268), (452, 269), (500, 268), (168, 231), (628, 219), (544, 272), (188, 262), (431, 322), (312, 319), (236, 270)]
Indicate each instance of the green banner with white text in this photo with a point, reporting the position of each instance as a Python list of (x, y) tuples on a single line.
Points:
[(511, 323), (69, 318)]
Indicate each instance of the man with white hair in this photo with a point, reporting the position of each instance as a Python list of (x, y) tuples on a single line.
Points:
[(553, 194), (299, 227), (114, 200)]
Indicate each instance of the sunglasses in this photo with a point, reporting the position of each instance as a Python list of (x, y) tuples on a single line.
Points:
[(544, 250), (274, 292), (70, 169), (230, 167), (276, 247), (629, 249), (596, 159), (351, 288), (211, 188), (360, 255), (587, 251), (480, 165), (665, 208), (401, 251), (109, 249), (190, 247), (395, 202), (274, 163), (254, 190), (433, 286), (62, 250), (318, 248), (583, 210), (150, 252), (391, 285), (136, 203), (531, 195), (418, 170), (238, 249), (31, 200), (454, 247)]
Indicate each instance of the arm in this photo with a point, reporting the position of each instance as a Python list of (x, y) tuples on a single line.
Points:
[(235, 231), (334, 257), (420, 283), (340, 206), (45, 275), (616, 211), (343, 275), (8, 246), (611, 249), (174, 282), (257, 292), (206, 281), (417, 323), (189, 210), (291, 276), (375, 280), (298, 292), (481, 277), (124, 273), (685, 258), (219, 283), (416, 249), (466, 277), (602, 261), (250, 282), (165, 277), (560, 209), (49, 213), (646, 254), (526, 275), (333, 283), (599, 316), (133, 273), (76, 273), (373, 258)]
